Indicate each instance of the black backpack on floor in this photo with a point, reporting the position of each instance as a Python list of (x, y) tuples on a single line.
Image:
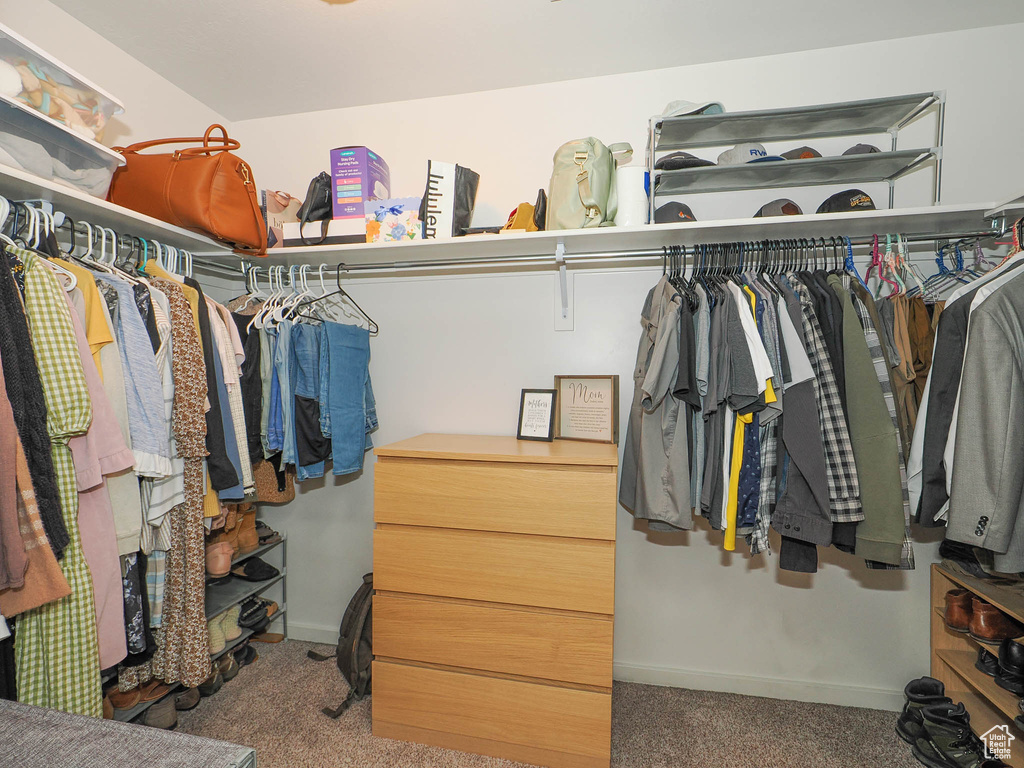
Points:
[(355, 652)]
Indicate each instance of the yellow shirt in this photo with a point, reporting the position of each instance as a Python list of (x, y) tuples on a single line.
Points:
[(97, 332), (739, 436)]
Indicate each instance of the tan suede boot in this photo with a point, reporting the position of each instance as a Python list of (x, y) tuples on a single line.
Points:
[(248, 538)]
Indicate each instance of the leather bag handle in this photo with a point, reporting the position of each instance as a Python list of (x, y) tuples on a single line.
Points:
[(223, 143)]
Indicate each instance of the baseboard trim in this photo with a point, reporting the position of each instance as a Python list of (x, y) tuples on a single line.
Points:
[(768, 687), (313, 633)]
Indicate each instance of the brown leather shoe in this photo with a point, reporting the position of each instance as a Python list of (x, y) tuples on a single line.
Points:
[(990, 625), (958, 610)]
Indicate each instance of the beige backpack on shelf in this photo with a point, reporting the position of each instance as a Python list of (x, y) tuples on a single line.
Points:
[(582, 191)]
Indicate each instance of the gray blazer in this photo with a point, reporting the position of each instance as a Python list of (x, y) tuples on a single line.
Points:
[(988, 467)]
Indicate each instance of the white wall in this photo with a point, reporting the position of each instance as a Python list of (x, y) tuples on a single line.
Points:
[(154, 107), (453, 353)]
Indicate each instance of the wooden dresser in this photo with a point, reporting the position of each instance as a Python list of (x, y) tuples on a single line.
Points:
[(494, 569)]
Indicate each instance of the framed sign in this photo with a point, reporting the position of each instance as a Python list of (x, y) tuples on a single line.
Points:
[(588, 408), (537, 415)]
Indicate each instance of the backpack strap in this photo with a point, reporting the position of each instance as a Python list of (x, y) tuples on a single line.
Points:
[(591, 212)]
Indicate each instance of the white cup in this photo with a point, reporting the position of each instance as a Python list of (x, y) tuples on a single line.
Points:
[(631, 190)]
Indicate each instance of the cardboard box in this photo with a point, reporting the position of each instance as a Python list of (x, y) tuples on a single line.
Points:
[(339, 232), (358, 175), (395, 219)]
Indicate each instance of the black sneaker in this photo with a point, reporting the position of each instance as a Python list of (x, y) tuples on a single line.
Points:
[(948, 742), (920, 693)]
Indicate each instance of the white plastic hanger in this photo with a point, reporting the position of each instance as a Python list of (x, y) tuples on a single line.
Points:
[(273, 283), (5, 211)]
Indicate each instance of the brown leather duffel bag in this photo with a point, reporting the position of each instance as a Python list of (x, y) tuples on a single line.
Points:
[(206, 189)]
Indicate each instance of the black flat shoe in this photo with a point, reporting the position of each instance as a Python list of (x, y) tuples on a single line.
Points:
[(255, 569)]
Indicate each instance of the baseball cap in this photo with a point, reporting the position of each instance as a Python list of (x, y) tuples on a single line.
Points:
[(673, 212), (801, 153), (678, 160), (750, 152), (847, 200), (862, 149), (680, 108), (781, 207)]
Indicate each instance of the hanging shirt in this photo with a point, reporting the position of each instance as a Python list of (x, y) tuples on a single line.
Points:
[(702, 363), (142, 384), (844, 488), (655, 479)]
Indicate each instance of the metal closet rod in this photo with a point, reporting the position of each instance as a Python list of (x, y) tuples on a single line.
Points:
[(638, 255)]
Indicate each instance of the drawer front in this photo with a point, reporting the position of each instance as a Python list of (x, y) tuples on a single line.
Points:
[(569, 574), (577, 502), (565, 647), (505, 711)]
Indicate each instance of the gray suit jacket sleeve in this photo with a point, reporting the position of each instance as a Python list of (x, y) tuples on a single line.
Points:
[(988, 471)]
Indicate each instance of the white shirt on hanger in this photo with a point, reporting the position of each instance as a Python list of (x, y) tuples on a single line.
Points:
[(762, 363)]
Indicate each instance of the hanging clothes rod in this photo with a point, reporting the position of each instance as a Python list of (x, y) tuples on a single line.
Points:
[(621, 255)]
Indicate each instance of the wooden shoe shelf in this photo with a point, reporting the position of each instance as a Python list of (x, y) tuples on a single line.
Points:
[(953, 655)]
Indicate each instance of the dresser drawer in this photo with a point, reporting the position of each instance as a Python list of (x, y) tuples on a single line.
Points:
[(543, 499), (444, 707), (570, 574), (572, 648)]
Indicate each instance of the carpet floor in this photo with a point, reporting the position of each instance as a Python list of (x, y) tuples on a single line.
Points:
[(274, 706)]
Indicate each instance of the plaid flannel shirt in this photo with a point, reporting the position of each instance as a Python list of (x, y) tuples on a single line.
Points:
[(843, 483)]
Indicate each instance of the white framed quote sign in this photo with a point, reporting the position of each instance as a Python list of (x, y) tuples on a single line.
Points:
[(587, 408)]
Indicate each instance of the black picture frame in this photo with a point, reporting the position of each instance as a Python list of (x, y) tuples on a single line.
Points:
[(526, 408)]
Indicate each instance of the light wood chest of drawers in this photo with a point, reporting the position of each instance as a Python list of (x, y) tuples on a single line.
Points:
[(494, 569)]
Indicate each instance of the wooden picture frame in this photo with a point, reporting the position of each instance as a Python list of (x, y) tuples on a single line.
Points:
[(588, 408), (537, 414)]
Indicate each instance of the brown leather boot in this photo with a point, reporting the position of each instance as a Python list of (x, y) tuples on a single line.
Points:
[(218, 559), (225, 537), (958, 610), (990, 625), (248, 538)]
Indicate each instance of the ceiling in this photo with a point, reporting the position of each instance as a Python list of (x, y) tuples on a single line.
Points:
[(255, 58)]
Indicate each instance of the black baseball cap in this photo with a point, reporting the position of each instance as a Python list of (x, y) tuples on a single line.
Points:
[(678, 160), (781, 207), (847, 200), (673, 212), (862, 149)]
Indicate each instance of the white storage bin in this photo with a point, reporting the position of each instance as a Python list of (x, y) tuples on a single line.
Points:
[(35, 143), (38, 80)]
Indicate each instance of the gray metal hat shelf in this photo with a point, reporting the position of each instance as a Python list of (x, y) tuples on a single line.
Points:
[(863, 118)]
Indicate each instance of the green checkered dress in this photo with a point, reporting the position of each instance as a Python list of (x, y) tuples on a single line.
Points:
[(57, 649)]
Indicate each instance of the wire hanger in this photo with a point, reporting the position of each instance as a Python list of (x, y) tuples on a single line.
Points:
[(373, 328)]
